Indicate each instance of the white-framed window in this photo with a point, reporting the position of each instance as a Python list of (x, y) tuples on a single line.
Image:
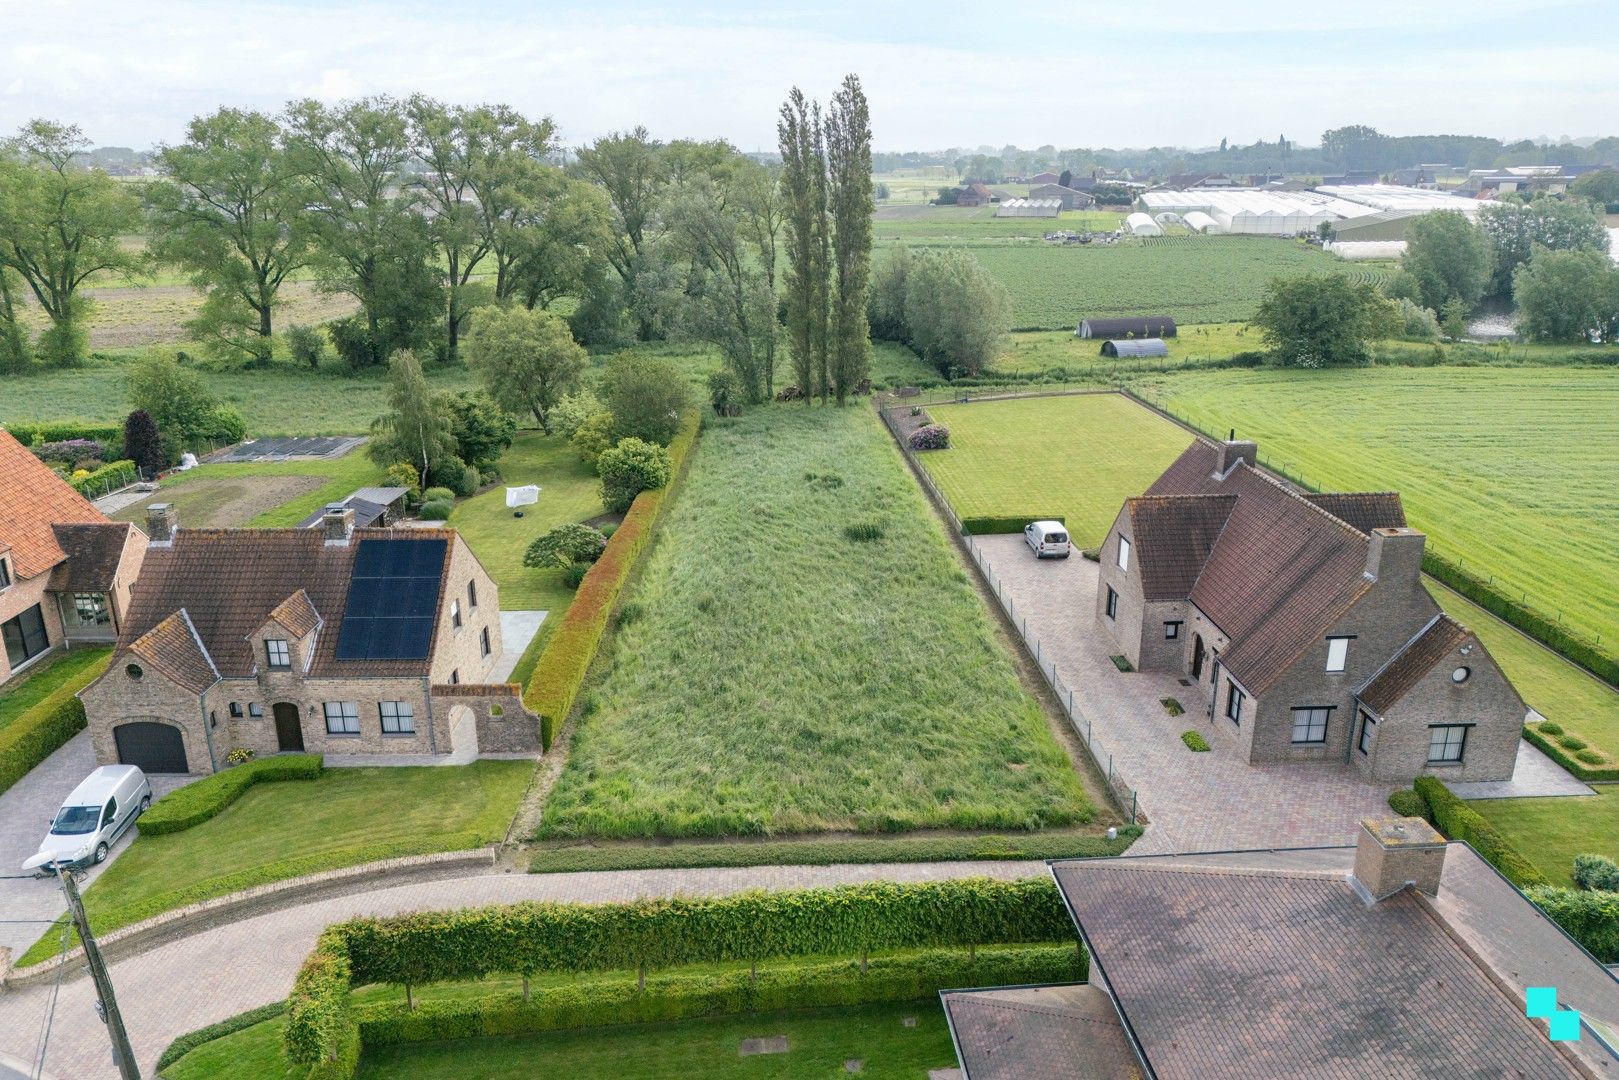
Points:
[(1338, 653), (455, 614), (277, 654), (1310, 724), (1233, 703), (483, 640), (397, 717), (1112, 603), (1447, 743), (255, 710), (1368, 728), (1124, 554), (342, 717)]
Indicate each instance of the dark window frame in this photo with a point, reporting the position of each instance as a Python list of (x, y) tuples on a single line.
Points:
[(1326, 721), (1461, 745), (1172, 629), (472, 594), (26, 637), (5, 572), (236, 710), (483, 641), (270, 654), (455, 614), (404, 722), (1112, 603), (1367, 724), (1234, 699), (255, 710), (344, 708)]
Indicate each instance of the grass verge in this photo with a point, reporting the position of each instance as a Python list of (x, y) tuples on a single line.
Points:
[(1550, 832), (77, 667)]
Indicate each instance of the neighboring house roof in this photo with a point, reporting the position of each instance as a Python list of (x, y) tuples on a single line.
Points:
[(33, 499), (1173, 538), (231, 581), (1021, 1032), (173, 648), (93, 552), (297, 613), (1365, 510), (380, 495), (367, 512), (1435, 642)]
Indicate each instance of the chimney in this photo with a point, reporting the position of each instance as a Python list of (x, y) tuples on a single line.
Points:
[(1232, 451), (1395, 555), (337, 523), (162, 523), (1393, 852)]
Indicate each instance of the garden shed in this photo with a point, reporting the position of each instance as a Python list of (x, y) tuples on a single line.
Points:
[(1147, 326), (1135, 347)]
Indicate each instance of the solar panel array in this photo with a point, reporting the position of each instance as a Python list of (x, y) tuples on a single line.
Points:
[(393, 600)]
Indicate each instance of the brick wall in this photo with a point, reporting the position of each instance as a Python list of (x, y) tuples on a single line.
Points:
[(504, 725), (432, 734), (117, 698), (460, 649)]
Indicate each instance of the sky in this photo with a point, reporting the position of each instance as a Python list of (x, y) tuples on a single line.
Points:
[(938, 74)]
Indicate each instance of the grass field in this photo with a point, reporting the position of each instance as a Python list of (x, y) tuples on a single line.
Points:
[(27, 690), (275, 494), (1043, 350), (157, 311), (783, 678), (1509, 469), (929, 226), (1550, 832), (1079, 456)]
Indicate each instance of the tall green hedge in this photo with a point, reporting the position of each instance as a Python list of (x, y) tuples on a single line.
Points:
[(196, 803), (1458, 821), (985, 526), (1590, 917), (319, 1023), (37, 733), (27, 431), (109, 477)]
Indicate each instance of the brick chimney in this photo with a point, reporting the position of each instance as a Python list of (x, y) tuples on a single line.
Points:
[(162, 523), (1395, 555), (1233, 451), (337, 523), (1393, 852)]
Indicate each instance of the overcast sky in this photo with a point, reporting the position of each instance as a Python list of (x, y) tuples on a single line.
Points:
[(938, 73)]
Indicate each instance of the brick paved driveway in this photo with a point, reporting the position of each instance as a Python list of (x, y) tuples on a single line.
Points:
[(1196, 802)]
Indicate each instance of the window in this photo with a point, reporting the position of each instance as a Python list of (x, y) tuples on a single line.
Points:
[(1310, 724), (1447, 743), (5, 573), (134, 671), (455, 614), (278, 655), (342, 717), (483, 640), (1368, 728), (1112, 603), (397, 718), (255, 710), (213, 718), (1233, 703), (1124, 554), (236, 710), (110, 812), (25, 636), (1460, 675), (1337, 653), (90, 609), (455, 676), (1172, 630), (472, 594)]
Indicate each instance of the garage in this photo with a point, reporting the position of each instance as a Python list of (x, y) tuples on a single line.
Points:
[(156, 748)]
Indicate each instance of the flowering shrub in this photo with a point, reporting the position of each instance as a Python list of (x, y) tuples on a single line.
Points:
[(240, 756), (69, 450), (932, 437)]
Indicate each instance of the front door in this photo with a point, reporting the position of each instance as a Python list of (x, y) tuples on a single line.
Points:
[(1197, 656), (289, 733)]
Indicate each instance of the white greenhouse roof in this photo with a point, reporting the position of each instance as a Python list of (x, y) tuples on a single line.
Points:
[(1142, 225), (1395, 197), (1357, 250)]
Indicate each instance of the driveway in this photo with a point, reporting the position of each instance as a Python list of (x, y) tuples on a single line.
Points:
[(1212, 801), (26, 808)]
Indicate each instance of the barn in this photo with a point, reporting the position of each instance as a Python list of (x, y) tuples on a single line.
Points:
[(1149, 326), (1135, 347)]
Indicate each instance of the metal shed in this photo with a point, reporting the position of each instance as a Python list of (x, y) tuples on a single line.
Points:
[(1147, 326), (1135, 347)]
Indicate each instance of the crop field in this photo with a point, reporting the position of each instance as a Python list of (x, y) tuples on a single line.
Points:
[(774, 674), (1077, 455), (1511, 470), (933, 225), (271, 494)]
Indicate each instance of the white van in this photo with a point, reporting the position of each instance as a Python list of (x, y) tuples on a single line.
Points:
[(93, 818), (1047, 539)]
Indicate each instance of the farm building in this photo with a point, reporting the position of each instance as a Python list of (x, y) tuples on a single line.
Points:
[(1360, 250), (975, 195), (1198, 221), (1141, 224), (1029, 208), (1044, 178), (1148, 326), (1070, 198), (1135, 347), (1394, 197)]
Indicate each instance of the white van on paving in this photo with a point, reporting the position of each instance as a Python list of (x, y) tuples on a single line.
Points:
[(91, 820), (1047, 539)]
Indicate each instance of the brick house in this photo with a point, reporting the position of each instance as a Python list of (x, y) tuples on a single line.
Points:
[(1302, 620), (65, 569), (332, 640)]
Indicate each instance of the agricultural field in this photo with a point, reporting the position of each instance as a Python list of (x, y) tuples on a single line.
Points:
[(272, 494), (1509, 469), (805, 653), (1045, 350), (122, 316), (935, 226)]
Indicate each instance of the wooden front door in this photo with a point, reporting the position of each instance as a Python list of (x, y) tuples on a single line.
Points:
[(1197, 656), (289, 732)]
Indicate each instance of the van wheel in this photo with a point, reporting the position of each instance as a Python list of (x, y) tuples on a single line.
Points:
[(146, 804), (101, 852)]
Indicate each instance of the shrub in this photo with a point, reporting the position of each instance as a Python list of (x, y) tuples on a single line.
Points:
[(565, 546), (863, 531), (241, 755), (631, 467), (1122, 663), (435, 510), (1591, 757), (1571, 742), (646, 395), (594, 436), (463, 481), (196, 803), (39, 731), (306, 344), (1407, 803), (931, 437), (1596, 872), (438, 494), (725, 391), (985, 526), (790, 393), (228, 426), (1172, 706), (571, 411), (1195, 741), (403, 474), (573, 575), (142, 443), (1582, 767), (1591, 918), (107, 478), (68, 450), (318, 1020), (630, 612), (1550, 727), (1459, 821)]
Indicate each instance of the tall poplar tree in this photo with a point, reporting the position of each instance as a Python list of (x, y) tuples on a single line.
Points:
[(803, 186), (848, 157)]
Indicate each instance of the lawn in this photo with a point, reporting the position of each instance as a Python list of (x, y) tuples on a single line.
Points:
[(1045, 350), (272, 494), (775, 676), (1550, 832), (1511, 470), (76, 667), (1079, 456), (293, 828)]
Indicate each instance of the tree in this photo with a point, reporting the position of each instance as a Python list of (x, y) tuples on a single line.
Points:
[(15, 350), (553, 240), (142, 444), (1067, 177), (1517, 229), (629, 468), (888, 284), (956, 315), (564, 546), (185, 413), (482, 432), (1600, 186), (229, 213), (525, 360), (1570, 296), (1322, 320), (803, 180), (848, 156), (1449, 257), (60, 225), (645, 396), (630, 168), (417, 428)]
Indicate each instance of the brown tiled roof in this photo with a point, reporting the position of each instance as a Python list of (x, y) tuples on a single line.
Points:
[(297, 613), (1250, 971), (1039, 1033), (93, 552), (32, 499), (1365, 510), (1421, 653), (230, 580), (171, 647), (1173, 537)]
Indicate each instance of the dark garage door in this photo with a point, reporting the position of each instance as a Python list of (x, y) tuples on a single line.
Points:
[(156, 748)]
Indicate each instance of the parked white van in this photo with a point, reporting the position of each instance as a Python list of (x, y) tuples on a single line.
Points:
[(1047, 539), (93, 818)]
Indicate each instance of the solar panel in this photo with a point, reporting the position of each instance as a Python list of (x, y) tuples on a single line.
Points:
[(393, 599)]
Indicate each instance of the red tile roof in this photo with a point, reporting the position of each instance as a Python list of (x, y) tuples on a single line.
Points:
[(1436, 641), (32, 499), (297, 613)]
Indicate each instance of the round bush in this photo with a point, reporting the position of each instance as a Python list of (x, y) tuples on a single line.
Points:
[(1590, 757), (631, 467), (438, 494), (1571, 742), (1408, 803), (565, 545), (435, 510), (574, 573), (931, 437), (1551, 727)]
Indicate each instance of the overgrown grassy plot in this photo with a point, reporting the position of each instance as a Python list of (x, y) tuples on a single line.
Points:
[(779, 677)]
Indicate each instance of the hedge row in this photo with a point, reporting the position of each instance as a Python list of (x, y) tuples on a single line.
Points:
[(196, 803), (109, 477), (188, 1042), (1577, 647), (319, 1024), (1591, 918), (27, 431), (1458, 821), (985, 526), (562, 667), (37, 733), (1574, 765)]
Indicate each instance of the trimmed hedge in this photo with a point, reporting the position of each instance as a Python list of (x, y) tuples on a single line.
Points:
[(1408, 803), (188, 1042), (37, 733), (196, 803), (1591, 918), (1596, 872), (560, 672), (109, 477), (990, 526), (1576, 767), (1458, 821), (320, 1026), (26, 431)]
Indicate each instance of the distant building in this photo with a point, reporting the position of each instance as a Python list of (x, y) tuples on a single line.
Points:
[(1029, 208), (1071, 198), (1149, 326), (1354, 178), (1187, 181), (976, 194), (374, 508), (1044, 178)]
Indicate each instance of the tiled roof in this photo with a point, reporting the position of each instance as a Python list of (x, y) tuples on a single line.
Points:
[(1365, 510), (297, 613), (1039, 1033), (1173, 538), (1253, 971), (1421, 653), (230, 580), (32, 499), (172, 648), (366, 512), (93, 552)]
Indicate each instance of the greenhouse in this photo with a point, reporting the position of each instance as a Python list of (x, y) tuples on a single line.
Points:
[(1029, 208), (1135, 347), (1141, 224), (1198, 221), (1360, 250), (1255, 212)]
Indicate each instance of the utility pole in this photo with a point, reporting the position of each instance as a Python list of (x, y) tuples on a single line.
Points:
[(123, 1055)]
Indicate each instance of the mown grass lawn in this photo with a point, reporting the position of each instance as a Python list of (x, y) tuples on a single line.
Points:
[(297, 827), (779, 677), (1550, 832), (1079, 456), (75, 667)]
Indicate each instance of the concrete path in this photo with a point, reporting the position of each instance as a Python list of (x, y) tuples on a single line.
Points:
[(217, 973), (517, 629), (1212, 801), (29, 905), (1535, 776)]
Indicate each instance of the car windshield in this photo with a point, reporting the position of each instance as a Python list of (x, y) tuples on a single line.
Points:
[(75, 820), (1056, 538)]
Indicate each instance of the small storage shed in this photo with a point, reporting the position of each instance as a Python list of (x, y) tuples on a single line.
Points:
[(1135, 347), (1141, 224), (1148, 326)]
